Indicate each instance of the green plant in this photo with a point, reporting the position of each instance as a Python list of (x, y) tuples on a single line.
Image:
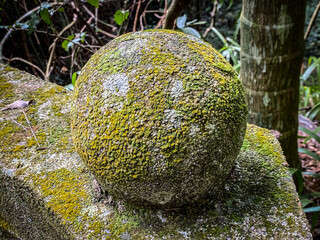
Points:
[(230, 50), (308, 199), (120, 16), (310, 88), (185, 26)]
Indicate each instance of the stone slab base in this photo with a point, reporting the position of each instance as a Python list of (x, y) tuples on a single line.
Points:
[(46, 192)]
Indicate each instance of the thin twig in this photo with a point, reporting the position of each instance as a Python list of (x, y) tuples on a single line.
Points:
[(63, 38), (20, 125), (136, 17), (106, 33), (78, 13), (213, 17), (27, 62), (30, 127), (314, 16), (53, 46), (162, 18), (96, 17), (143, 15)]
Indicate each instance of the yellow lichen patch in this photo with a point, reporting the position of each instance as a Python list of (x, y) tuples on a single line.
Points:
[(64, 193), (262, 141), (4, 224)]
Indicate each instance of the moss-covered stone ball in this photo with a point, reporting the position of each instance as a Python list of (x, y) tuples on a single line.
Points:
[(159, 118)]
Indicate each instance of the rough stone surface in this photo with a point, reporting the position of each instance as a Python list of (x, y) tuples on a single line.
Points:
[(50, 194), (159, 117)]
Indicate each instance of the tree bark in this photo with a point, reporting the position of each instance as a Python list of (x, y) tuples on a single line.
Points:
[(272, 48), (173, 12)]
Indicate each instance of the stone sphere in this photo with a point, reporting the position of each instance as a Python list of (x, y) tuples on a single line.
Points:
[(159, 118)]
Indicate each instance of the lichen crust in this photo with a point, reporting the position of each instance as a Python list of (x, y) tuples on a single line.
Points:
[(159, 118)]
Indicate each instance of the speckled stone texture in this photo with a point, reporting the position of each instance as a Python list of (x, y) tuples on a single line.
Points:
[(49, 193), (159, 118)]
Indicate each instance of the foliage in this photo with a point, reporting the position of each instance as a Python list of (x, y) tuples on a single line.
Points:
[(310, 88), (310, 100), (120, 16), (308, 200), (230, 49), (73, 39), (62, 35), (94, 3), (183, 25)]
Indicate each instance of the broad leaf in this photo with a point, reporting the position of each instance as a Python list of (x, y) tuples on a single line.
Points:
[(181, 21), (311, 174), (312, 209), (94, 3), (293, 170), (45, 16), (311, 154), (33, 22), (44, 13), (310, 133), (68, 43), (121, 16), (74, 77), (191, 31), (69, 87), (305, 202)]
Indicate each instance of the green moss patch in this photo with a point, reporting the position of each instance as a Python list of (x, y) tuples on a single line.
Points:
[(159, 118)]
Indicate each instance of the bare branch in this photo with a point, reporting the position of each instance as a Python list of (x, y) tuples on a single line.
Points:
[(213, 17), (173, 12), (314, 16), (53, 46), (27, 62)]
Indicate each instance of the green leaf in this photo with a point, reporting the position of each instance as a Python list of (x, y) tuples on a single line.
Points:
[(314, 111), (308, 72), (181, 21), (312, 209), (315, 194), (82, 36), (44, 13), (45, 16), (230, 4), (94, 3), (305, 202), (311, 154), (293, 170), (313, 174), (68, 43), (74, 78), (310, 133), (33, 22), (220, 36), (121, 16), (191, 31), (69, 87)]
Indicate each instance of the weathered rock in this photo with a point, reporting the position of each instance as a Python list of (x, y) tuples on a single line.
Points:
[(50, 194), (159, 118)]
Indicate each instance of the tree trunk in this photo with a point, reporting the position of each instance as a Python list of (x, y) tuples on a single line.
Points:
[(272, 49)]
